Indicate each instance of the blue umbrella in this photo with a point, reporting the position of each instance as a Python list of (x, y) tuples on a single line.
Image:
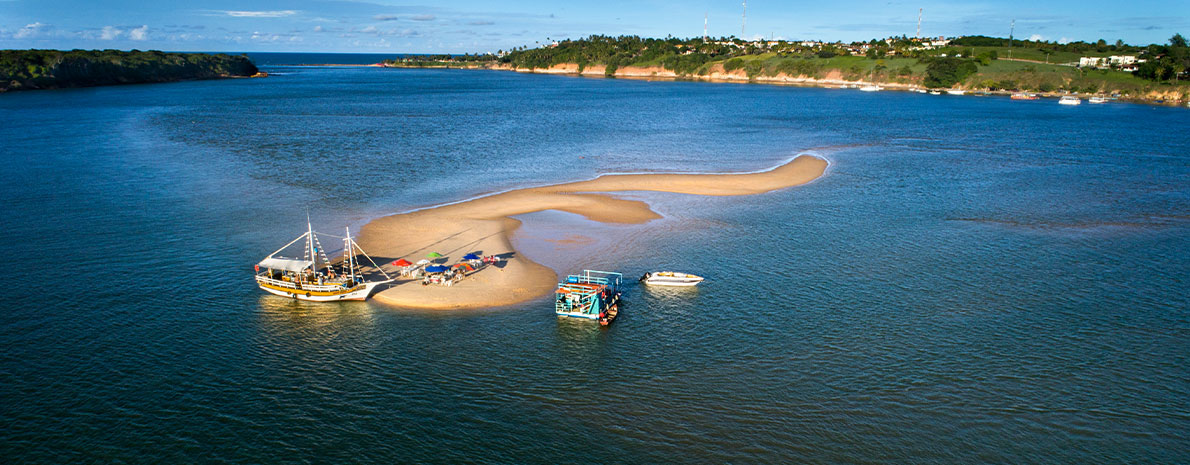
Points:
[(470, 256), (436, 269)]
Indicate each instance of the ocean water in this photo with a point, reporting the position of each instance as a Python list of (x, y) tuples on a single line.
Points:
[(974, 280)]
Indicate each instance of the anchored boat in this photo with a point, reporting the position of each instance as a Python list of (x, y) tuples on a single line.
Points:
[(670, 278), (313, 277), (594, 295)]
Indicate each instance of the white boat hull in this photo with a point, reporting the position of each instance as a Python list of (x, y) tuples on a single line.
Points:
[(666, 278)]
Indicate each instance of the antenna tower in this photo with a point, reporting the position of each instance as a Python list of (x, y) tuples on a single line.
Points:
[(744, 24), (919, 23), (704, 25), (1011, 29)]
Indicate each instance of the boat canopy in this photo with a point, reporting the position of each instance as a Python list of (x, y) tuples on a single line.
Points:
[(285, 264)]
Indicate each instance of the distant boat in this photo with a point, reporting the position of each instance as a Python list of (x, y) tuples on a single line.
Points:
[(1097, 99), (312, 277), (956, 92), (921, 91), (871, 88), (1069, 100), (934, 92), (1024, 96), (670, 278)]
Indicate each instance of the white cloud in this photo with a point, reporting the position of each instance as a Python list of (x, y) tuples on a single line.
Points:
[(386, 17), (368, 30), (31, 30), (423, 18), (110, 33), (140, 33), (1037, 37), (318, 28), (260, 14), (1064, 40)]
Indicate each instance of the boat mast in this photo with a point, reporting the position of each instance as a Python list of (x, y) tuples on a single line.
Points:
[(310, 243), (349, 252)]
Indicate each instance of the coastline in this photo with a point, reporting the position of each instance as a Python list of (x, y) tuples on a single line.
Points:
[(833, 79), (484, 225)]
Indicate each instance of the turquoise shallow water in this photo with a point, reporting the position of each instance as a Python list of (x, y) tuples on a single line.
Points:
[(974, 280)]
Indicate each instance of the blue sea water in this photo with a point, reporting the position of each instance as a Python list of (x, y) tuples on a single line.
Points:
[(974, 280)]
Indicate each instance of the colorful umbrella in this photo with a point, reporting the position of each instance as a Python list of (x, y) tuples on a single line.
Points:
[(465, 266), (402, 262), (436, 269), (470, 256), (433, 255), (422, 261)]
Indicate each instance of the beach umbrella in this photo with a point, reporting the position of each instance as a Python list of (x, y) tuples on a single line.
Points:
[(436, 269), (465, 266), (433, 255), (422, 261), (470, 256), (402, 262)]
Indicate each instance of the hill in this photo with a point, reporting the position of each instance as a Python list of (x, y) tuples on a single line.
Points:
[(52, 69)]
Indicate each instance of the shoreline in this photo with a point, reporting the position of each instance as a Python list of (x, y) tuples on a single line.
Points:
[(833, 80), (484, 225)]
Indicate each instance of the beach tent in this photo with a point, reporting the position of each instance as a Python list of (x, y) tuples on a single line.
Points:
[(470, 256), (423, 261), (436, 269), (433, 255), (402, 262)]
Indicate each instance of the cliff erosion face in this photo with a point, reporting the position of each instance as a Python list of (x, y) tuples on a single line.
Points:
[(52, 69)]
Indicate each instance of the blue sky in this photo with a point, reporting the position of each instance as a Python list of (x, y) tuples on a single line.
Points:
[(487, 26)]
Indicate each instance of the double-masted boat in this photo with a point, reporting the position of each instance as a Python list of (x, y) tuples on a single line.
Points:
[(315, 278), (594, 295)]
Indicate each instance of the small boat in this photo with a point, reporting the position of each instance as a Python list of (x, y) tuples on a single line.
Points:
[(670, 278), (1069, 100), (1097, 99), (956, 92), (871, 88), (934, 92), (593, 295), (1024, 96), (921, 91), (313, 277)]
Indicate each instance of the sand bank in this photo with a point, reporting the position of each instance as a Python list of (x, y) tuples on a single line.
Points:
[(483, 226)]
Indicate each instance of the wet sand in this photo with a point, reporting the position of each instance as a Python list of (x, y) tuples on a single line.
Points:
[(483, 226)]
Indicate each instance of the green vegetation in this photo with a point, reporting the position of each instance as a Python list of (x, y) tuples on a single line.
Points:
[(946, 72), (50, 69), (976, 62)]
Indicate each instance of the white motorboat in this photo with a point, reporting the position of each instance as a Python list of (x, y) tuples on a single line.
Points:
[(1097, 99), (871, 88), (670, 278), (956, 92), (1069, 100)]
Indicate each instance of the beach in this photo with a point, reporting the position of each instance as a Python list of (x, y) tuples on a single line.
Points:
[(483, 226)]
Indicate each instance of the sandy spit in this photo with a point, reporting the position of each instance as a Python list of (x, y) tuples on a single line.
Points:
[(483, 226)]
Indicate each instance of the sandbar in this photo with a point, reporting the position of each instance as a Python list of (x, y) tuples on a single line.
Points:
[(483, 226)]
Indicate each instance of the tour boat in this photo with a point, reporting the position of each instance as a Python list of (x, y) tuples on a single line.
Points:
[(670, 278), (593, 295), (1069, 100), (1024, 96), (871, 88), (1097, 99), (313, 277)]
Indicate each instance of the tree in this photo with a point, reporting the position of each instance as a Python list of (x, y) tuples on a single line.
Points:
[(1177, 41), (946, 72)]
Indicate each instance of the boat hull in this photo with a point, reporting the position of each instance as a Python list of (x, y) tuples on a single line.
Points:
[(674, 283), (357, 293)]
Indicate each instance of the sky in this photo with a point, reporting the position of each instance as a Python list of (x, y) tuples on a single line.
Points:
[(470, 26)]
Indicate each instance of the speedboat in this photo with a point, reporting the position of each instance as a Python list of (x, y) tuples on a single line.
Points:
[(1069, 100), (670, 278)]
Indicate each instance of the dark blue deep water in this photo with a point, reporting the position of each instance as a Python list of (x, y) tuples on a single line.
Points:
[(975, 280)]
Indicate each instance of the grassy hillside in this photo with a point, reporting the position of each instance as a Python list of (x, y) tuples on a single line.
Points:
[(50, 69)]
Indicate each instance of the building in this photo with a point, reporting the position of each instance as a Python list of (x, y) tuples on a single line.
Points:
[(1114, 61)]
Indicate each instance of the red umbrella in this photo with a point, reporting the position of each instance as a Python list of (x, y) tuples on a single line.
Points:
[(402, 262)]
